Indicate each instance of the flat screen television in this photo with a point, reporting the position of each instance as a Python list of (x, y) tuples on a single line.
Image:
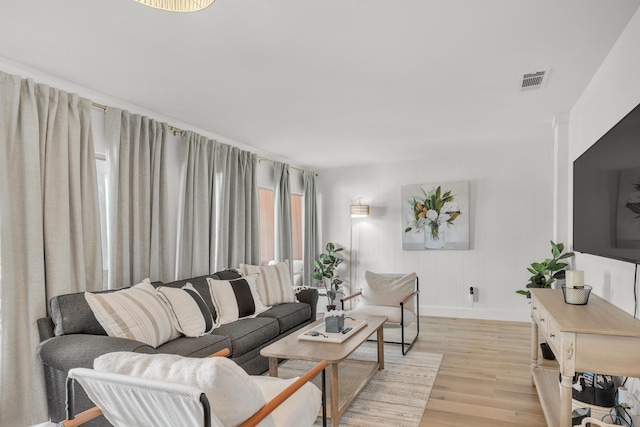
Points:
[(606, 193)]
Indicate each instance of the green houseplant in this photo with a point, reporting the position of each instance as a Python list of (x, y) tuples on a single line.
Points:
[(547, 271), (325, 267)]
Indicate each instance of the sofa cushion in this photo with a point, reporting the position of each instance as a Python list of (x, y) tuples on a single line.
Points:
[(235, 299), (274, 282), (288, 315), (249, 333), (224, 382), (202, 346), (136, 313), (190, 314), (387, 289)]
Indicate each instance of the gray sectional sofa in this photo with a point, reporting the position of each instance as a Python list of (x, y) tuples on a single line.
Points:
[(72, 337)]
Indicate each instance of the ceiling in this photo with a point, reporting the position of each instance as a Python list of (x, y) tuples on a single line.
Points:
[(331, 83)]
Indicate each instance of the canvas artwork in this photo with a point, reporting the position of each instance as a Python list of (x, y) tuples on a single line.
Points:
[(435, 216), (628, 210)]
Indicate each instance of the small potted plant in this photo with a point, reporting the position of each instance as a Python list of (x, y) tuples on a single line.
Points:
[(545, 273), (325, 267)]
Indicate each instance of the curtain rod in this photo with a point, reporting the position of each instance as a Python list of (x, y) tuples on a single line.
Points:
[(178, 130)]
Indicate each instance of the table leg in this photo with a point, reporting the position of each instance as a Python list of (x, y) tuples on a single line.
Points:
[(565, 400), (380, 338), (534, 349), (273, 366), (335, 405)]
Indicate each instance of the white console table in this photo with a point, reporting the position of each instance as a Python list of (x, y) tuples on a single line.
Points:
[(597, 337)]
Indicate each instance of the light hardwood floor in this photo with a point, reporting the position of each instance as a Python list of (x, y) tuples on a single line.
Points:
[(484, 378)]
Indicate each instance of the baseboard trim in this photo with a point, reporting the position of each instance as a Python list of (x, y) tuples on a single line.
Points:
[(476, 313)]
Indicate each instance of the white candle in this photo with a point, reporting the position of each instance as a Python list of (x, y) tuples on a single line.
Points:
[(574, 278)]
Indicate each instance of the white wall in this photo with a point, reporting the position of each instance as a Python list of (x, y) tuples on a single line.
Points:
[(612, 93), (511, 202)]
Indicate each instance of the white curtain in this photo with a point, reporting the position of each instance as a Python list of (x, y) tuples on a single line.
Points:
[(50, 232), (310, 238), (282, 213), (137, 199), (219, 211)]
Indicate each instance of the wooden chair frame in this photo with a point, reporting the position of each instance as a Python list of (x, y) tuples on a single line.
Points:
[(406, 346), (255, 419)]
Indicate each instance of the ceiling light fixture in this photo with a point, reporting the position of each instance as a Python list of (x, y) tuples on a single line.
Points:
[(177, 5)]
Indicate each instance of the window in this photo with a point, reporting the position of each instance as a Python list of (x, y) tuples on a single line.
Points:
[(267, 226)]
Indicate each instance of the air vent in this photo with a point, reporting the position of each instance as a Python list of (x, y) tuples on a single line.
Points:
[(534, 80)]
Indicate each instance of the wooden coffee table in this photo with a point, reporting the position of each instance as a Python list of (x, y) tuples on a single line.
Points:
[(290, 347)]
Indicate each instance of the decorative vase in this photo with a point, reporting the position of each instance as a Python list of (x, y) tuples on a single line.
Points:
[(434, 237)]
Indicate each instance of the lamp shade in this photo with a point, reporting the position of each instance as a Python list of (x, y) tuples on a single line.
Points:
[(178, 5), (359, 211)]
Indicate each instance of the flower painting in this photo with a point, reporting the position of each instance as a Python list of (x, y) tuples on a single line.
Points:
[(435, 216)]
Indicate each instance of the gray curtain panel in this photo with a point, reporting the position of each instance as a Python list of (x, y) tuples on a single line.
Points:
[(219, 210), (310, 238), (282, 214), (237, 208), (49, 228), (196, 221), (137, 198)]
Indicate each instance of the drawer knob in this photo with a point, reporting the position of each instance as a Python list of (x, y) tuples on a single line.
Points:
[(535, 308), (542, 319), (552, 335)]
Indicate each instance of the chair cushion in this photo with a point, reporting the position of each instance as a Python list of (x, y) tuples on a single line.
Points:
[(274, 282), (289, 315), (235, 299), (387, 289), (392, 313), (190, 314), (301, 409), (223, 381), (136, 313)]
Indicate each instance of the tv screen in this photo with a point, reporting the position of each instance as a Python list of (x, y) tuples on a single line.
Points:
[(606, 193)]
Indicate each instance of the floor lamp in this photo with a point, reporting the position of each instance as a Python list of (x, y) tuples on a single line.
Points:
[(357, 210)]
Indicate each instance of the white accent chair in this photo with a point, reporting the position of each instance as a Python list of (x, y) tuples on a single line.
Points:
[(396, 296), (134, 396)]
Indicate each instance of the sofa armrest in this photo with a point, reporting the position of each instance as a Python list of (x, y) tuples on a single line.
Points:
[(309, 296), (45, 328), (79, 350)]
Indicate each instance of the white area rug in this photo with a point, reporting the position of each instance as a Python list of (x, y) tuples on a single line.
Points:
[(395, 396)]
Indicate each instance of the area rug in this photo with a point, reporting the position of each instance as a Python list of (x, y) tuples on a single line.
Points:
[(395, 396)]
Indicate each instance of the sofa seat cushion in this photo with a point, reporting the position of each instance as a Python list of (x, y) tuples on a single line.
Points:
[(195, 347), (249, 333), (289, 315)]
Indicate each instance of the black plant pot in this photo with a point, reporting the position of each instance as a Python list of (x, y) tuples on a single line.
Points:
[(546, 351)]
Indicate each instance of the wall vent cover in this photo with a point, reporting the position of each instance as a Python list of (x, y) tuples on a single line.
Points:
[(534, 80)]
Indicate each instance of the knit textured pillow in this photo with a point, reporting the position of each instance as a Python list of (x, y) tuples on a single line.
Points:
[(235, 299), (136, 313), (190, 314), (274, 282)]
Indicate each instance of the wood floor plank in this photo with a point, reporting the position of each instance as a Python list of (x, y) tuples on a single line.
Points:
[(484, 378)]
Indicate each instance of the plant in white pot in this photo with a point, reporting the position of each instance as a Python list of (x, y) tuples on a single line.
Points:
[(325, 270)]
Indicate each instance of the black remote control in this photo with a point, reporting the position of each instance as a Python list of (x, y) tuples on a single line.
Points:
[(346, 330)]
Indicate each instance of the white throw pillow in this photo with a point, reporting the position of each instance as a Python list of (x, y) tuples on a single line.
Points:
[(232, 394), (388, 289), (235, 299), (136, 313), (274, 282), (190, 314)]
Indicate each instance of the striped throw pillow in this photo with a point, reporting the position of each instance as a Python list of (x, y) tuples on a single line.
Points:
[(135, 313), (235, 299), (274, 282), (190, 314)]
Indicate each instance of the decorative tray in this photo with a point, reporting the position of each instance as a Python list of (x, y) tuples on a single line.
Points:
[(319, 333)]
